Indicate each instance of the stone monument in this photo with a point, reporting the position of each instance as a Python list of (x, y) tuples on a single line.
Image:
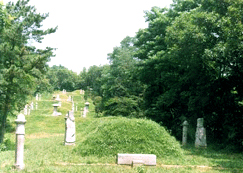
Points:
[(184, 133), (69, 129), (200, 141), (20, 132), (55, 113)]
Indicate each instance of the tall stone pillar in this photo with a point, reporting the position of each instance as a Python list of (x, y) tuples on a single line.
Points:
[(200, 141), (20, 132), (69, 129), (184, 133)]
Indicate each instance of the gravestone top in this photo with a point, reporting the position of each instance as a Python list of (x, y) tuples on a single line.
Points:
[(200, 122), (20, 119), (55, 105), (185, 123)]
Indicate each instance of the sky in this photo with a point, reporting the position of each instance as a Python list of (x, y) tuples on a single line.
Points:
[(89, 29)]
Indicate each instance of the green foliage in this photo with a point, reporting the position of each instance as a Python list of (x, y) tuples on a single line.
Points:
[(21, 65), (121, 135), (7, 144), (191, 59), (122, 106), (61, 78)]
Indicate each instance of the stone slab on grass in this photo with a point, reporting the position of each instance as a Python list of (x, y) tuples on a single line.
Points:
[(131, 159)]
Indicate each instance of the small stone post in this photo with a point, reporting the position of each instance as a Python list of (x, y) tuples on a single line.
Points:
[(69, 129), (184, 133), (25, 110), (36, 97), (36, 105), (55, 113), (20, 132), (87, 106), (200, 141)]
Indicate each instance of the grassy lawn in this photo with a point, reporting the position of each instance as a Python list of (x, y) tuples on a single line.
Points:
[(45, 152)]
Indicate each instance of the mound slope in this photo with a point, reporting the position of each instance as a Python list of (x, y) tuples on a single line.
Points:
[(110, 136)]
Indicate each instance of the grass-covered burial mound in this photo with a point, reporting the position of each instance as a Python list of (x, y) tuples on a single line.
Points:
[(109, 136)]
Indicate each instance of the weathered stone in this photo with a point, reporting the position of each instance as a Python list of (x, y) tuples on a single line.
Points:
[(69, 129), (184, 132), (131, 159), (20, 132), (200, 141), (55, 113), (87, 106)]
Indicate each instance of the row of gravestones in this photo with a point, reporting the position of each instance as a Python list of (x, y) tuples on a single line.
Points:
[(30, 107), (200, 136), (69, 138), (70, 99)]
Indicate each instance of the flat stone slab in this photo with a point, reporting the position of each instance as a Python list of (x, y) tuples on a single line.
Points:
[(133, 159)]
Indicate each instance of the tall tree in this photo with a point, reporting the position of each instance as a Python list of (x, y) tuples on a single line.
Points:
[(191, 58), (20, 64), (61, 78), (121, 89)]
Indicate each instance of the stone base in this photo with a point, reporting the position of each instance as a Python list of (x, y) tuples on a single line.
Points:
[(19, 167), (57, 114), (136, 159), (69, 143)]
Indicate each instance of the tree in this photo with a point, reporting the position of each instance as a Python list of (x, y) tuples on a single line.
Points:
[(20, 63), (61, 78), (121, 91), (191, 59)]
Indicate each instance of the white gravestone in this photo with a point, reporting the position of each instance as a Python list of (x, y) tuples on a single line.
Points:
[(85, 112), (36, 105), (32, 106), (20, 132), (69, 129), (200, 141), (26, 110), (58, 97), (87, 106), (36, 97), (131, 159)]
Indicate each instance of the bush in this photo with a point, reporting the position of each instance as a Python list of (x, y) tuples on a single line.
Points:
[(122, 135)]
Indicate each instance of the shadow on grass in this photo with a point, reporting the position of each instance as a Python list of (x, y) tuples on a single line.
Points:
[(220, 159)]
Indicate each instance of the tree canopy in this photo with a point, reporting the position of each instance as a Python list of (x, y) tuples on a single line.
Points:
[(21, 64)]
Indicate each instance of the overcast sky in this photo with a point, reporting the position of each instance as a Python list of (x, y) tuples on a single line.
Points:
[(89, 29)]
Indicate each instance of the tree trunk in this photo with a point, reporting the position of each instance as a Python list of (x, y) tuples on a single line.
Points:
[(4, 113), (3, 126)]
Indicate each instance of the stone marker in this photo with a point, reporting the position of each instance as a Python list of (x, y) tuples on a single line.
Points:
[(69, 129), (55, 113), (20, 132), (73, 106), (26, 110), (87, 106), (200, 141), (60, 104), (37, 97), (36, 105), (84, 112), (58, 98), (32, 106), (184, 132), (134, 159)]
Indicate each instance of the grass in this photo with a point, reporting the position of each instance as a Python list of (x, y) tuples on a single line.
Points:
[(98, 140)]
